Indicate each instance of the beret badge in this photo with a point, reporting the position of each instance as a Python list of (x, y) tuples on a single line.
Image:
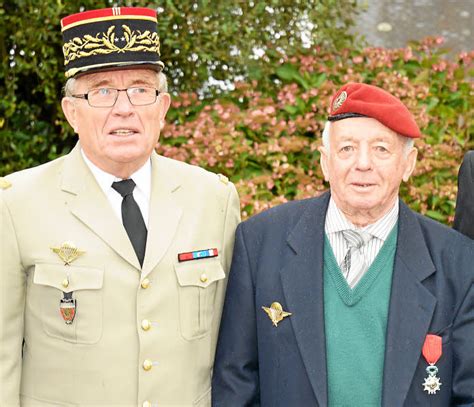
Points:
[(339, 100)]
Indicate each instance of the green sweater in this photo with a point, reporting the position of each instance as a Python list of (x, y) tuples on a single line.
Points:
[(356, 322)]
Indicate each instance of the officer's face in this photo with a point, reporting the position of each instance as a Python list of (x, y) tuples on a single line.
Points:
[(118, 139), (365, 164)]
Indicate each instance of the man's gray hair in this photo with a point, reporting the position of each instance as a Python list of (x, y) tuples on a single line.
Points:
[(409, 142), (162, 84)]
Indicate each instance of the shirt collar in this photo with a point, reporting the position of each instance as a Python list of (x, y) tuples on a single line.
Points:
[(141, 177), (336, 221)]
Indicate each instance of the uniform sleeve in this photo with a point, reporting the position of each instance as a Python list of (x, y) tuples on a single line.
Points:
[(236, 375), (12, 303), (464, 218), (231, 220), (463, 345)]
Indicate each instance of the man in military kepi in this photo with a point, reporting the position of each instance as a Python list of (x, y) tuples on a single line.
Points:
[(114, 260), (351, 298)]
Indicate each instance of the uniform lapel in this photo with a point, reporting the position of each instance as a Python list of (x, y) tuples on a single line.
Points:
[(165, 213), (410, 312), (302, 280), (88, 203)]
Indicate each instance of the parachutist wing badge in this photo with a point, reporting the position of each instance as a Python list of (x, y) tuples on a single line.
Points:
[(67, 252), (276, 313)]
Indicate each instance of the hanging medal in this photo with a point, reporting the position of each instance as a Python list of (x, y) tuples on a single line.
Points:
[(67, 252), (67, 307), (432, 351)]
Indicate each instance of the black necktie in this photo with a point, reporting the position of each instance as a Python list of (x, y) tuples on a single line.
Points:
[(132, 217)]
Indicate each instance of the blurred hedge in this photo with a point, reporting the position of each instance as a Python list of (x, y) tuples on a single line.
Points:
[(200, 39), (266, 140), (263, 135)]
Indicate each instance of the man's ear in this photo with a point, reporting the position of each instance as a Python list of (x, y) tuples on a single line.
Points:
[(323, 160), (69, 110), (410, 164), (164, 103)]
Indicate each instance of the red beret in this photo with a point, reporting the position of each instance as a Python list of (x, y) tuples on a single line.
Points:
[(362, 100)]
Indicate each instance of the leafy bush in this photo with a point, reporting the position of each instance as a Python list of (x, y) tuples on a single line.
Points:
[(266, 140), (264, 135), (199, 40)]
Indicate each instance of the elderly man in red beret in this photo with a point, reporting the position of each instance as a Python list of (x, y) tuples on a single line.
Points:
[(113, 259), (351, 298)]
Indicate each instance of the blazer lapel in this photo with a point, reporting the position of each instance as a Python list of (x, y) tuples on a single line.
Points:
[(89, 204), (302, 280), (165, 213), (410, 312)]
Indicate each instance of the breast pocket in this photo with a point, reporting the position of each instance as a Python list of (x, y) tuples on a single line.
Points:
[(52, 283), (197, 291)]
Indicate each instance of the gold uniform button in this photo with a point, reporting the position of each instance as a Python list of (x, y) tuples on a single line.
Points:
[(146, 404), (65, 283), (145, 283), (146, 325), (147, 365), (203, 278)]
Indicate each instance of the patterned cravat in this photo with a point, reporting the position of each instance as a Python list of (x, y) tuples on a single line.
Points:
[(132, 217), (354, 264)]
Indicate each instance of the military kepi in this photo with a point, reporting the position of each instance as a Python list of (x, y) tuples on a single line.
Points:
[(362, 100), (111, 38)]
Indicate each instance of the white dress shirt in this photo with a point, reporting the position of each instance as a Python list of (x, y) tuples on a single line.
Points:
[(141, 192), (336, 222)]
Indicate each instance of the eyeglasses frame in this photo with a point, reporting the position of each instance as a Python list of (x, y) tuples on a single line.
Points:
[(86, 96)]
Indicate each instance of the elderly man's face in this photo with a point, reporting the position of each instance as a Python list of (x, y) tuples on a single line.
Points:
[(117, 139), (365, 165)]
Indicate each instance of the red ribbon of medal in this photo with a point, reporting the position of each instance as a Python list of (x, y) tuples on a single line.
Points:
[(432, 348)]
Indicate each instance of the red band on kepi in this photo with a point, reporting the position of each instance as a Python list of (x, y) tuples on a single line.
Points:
[(115, 12), (362, 100), (432, 348)]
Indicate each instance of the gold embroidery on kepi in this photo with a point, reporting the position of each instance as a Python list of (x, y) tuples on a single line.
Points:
[(276, 313), (104, 43), (339, 100), (100, 40), (67, 252)]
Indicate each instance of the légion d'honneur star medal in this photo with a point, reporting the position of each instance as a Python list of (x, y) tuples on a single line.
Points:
[(432, 351), (67, 252)]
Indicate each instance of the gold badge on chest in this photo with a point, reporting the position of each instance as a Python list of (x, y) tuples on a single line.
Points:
[(67, 252), (276, 313)]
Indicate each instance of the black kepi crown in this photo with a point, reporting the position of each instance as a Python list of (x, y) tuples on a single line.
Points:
[(110, 38)]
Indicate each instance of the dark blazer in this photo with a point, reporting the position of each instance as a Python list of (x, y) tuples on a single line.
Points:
[(464, 219), (278, 256)]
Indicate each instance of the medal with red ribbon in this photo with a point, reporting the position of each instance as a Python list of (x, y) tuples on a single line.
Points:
[(432, 351)]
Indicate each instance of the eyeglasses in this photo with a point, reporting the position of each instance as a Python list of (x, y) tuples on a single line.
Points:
[(106, 97)]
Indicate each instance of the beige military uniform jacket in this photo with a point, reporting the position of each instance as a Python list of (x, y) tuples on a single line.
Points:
[(140, 337)]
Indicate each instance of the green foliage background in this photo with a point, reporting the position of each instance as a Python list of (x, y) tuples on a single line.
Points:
[(262, 128), (196, 40), (266, 140)]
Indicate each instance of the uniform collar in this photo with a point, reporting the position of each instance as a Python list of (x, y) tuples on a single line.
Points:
[(141, 177)]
